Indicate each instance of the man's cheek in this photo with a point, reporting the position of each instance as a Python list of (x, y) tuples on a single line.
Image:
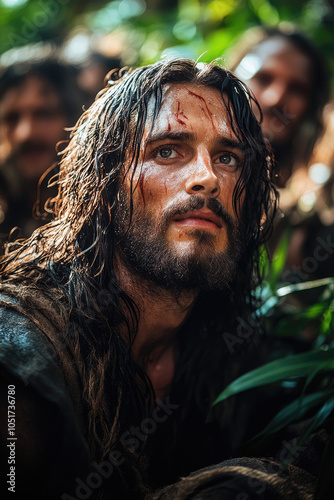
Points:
[(227, 203), (152, 191), (142, 187), (6, 149)]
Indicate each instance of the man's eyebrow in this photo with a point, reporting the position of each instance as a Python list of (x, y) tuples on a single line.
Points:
[(226, 142), (172, 136), (189, 136)]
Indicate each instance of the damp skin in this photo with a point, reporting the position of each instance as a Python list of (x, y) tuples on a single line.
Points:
[(191, 150)]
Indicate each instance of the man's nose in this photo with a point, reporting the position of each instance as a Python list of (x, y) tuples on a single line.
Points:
[(24, 129), (202, 178)]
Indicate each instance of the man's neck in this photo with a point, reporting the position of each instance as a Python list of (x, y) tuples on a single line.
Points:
[(161, 312), (161, 315)]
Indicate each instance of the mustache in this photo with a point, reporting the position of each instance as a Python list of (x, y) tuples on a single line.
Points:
[(197, 202)]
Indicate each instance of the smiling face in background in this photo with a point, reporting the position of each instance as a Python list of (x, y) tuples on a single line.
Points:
[(279, 74), (183, 232)]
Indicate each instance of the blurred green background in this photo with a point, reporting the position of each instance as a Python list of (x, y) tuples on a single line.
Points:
[(143, 31)]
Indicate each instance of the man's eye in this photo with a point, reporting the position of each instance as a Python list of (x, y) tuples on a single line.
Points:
[(227, 159), (263, 79), (167, 153), (11, 118)]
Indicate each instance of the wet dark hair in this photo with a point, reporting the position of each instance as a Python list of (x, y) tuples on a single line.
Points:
[(312, 124), (71, 259)]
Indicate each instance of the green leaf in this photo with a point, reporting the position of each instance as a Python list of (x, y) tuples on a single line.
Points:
[(316, 422), (293, 323), (306, 285), (294, 411), (299, 365), (309, 379), (278, 261), (264, 264), (327, 324), (272, 302), (267, 306), (318, 419)]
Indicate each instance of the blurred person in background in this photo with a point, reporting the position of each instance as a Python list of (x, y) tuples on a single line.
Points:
[(308, 202), (92, 73), (290, 80), (39, 99), (94, 56)]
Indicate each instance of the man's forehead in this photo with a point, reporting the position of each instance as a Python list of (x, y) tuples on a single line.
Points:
[(185, 104), (151, 106), (190, 93), (32, 89), (278, 48)]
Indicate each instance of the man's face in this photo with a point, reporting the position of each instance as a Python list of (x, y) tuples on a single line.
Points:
[(31, 123), (279, 75), (183, 233)]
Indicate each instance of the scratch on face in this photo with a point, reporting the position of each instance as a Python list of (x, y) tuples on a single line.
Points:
[(204, 108), (180, 113), (146, 193)]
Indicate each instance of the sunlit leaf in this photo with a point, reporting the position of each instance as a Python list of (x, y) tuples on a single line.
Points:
[(299, 365), (278, 261), (327, 323), (306, 285)]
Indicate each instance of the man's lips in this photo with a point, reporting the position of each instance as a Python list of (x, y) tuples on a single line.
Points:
[(199, 218)]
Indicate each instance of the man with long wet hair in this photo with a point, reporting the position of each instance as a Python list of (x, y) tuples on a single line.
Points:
[(117, 316)]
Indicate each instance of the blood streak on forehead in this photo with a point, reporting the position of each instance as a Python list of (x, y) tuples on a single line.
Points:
[(183, 103)]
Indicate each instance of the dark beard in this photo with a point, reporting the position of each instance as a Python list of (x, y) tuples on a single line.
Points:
[(144, 250)]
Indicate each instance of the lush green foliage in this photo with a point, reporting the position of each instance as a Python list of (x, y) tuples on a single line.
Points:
[(302, 316), (206, 28)]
